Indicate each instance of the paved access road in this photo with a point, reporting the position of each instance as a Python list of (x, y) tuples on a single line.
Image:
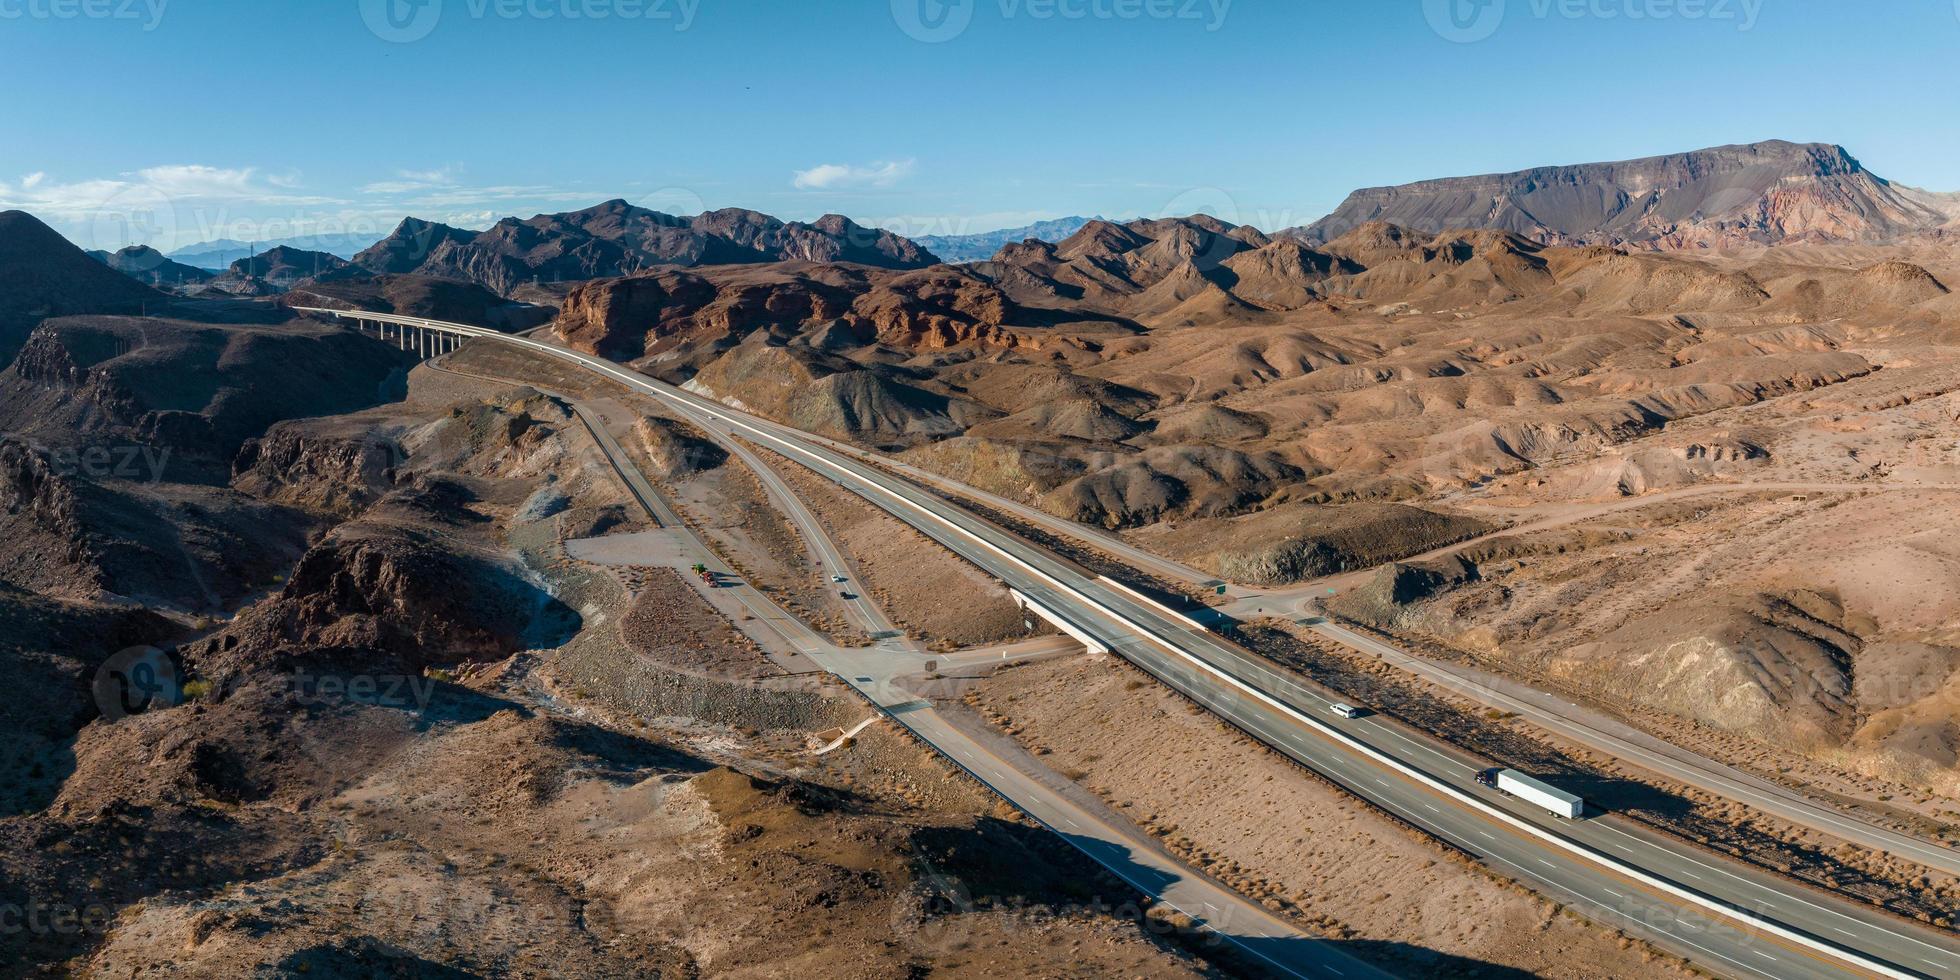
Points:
[(1115, 844), (1723, 916)]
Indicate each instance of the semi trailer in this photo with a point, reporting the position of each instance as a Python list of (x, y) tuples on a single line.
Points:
[(1534, 791)]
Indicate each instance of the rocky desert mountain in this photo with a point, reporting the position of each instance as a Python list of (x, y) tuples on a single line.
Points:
[(1727, 196), (217, 255), (617, 238), (272, 272), (145, 264), (43, 274)]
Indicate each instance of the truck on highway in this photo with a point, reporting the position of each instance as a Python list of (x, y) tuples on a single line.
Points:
[(1534, 791)]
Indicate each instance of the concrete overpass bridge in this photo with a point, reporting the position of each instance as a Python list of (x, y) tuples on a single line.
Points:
[(424, 337)]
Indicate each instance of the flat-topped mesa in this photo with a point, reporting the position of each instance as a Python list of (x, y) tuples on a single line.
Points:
[(1768, 193)]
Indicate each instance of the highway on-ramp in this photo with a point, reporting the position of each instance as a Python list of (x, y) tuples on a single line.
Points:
[(1726, 917)]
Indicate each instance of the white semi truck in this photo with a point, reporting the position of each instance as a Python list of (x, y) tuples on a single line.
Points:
[(1538, 792)]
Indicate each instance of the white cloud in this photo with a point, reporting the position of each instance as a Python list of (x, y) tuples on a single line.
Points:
[(443, 175), (838, 176), (411, 181), (166, 206), (470, 219), (176, 205)]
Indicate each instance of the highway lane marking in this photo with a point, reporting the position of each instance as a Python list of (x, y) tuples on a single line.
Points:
[(1775, 896), (1671, 937), (1242, 705), (1692, 770), (1660, 896), (1421, 749), (1657, 896)]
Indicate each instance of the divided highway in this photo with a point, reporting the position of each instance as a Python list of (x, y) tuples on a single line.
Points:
[(1726, 917)]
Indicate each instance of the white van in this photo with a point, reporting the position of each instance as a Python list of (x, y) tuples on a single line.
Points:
[(1345, 710)]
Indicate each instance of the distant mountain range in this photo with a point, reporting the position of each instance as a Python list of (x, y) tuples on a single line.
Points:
[(1767, 193), (147, 265), (214, 256), (981, 246), (617, 238)]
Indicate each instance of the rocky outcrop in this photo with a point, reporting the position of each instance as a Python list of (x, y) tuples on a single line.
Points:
[(341, 472), (818, 394), (196, 390), (936, 308), (79, 525), (620, 317), (1187, 481), (676, 449), (1397, 587), (46, 547), (927, 309), (392, 587)]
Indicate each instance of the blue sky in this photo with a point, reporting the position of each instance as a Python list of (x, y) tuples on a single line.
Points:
[(182, 120)]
